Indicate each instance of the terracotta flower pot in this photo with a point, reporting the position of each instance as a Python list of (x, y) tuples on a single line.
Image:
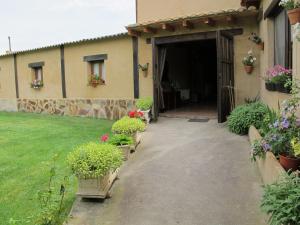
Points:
[(261, 46), (289, 163), (294, 16), (249, 69)]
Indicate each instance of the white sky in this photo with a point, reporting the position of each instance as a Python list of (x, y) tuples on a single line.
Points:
[(36, 23)]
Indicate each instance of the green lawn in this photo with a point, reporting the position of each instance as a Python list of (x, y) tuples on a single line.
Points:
[(27, 141)]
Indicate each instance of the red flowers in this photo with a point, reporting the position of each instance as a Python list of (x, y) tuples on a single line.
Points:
[(104, 138), (135, 114)]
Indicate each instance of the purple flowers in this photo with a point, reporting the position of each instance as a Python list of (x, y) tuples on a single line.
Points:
[(266, 147), (285, 123)]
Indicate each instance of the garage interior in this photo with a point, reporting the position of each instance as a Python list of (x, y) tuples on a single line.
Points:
[(189, 81)]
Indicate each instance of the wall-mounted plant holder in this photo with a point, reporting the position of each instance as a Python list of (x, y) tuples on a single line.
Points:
[(144, 69), (257, 40), (261, 45)]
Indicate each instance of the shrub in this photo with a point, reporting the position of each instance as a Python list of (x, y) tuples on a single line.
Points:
[(94, 160), (242, 117), (144, 104), (120, 140), (128, 126), (281, 201)]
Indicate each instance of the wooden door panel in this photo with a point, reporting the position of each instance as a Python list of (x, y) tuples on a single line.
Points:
[(225, 74)]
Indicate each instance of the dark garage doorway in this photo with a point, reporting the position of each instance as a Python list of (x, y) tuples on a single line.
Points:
[(193, 74), (189, 81)]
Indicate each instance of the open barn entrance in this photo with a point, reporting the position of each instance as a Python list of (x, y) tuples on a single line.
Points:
[(189, 81), (194, 75)]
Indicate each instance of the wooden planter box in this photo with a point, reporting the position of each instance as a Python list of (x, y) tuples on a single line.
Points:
[(96, 188), (269, 167), (147, 116), (137, 137), (126, 149)]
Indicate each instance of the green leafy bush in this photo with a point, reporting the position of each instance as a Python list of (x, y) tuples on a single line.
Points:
[(144, 104), (94, 160), (128, 126), (120, 140), (242, 117), (281, 201)]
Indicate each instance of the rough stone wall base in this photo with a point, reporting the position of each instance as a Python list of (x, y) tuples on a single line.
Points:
[(98, 108), (8, 105)]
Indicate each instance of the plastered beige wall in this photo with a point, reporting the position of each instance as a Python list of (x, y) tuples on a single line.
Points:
[(162, 9), (7, 78), (266, 32), (246, 86), (118, 69), (51, 74)]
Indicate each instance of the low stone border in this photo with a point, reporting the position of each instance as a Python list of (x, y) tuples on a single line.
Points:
[(269, 167)]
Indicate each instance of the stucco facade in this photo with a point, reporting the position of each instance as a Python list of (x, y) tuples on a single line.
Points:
[(157, 9), (123, 80)]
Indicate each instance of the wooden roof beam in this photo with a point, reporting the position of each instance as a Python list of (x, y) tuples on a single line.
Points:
[(167, 27), (187, 24), (209, 21), (134, 33), (149, 30)]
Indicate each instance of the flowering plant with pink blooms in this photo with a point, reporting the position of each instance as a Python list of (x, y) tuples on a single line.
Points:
[(277, 71)]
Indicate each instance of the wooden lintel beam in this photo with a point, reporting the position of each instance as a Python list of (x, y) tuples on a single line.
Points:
[(230, 19), (167, 27), (209, 21), (187, 24), (134, 33), (149, 30)]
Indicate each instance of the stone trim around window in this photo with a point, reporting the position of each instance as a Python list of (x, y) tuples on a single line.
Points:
[(36, 64), (91, 58)]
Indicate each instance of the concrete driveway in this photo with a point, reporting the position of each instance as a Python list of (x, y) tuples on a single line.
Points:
[(183, 173)]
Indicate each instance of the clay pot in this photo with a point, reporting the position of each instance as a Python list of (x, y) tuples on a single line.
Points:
[(249, 69), (294, 16), (289, 163), (261, 46)]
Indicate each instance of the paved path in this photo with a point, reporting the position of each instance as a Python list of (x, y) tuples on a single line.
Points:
[(183, 174)]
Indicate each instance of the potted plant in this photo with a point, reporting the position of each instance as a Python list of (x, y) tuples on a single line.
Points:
[(96, 166), (145, 105), (278, 78), (249, 3), (95, 80), (282, 138), (248, 62), (129, 126), (281, 77), (291, 160), (281, 201), (257, 40), (37, 84), (122, 141), (293, 10)]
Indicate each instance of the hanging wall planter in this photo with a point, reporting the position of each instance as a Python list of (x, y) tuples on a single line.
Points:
[(248, 69), (249, 3), (294, 16), (248, 62), (257, 40), (293, 10)]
